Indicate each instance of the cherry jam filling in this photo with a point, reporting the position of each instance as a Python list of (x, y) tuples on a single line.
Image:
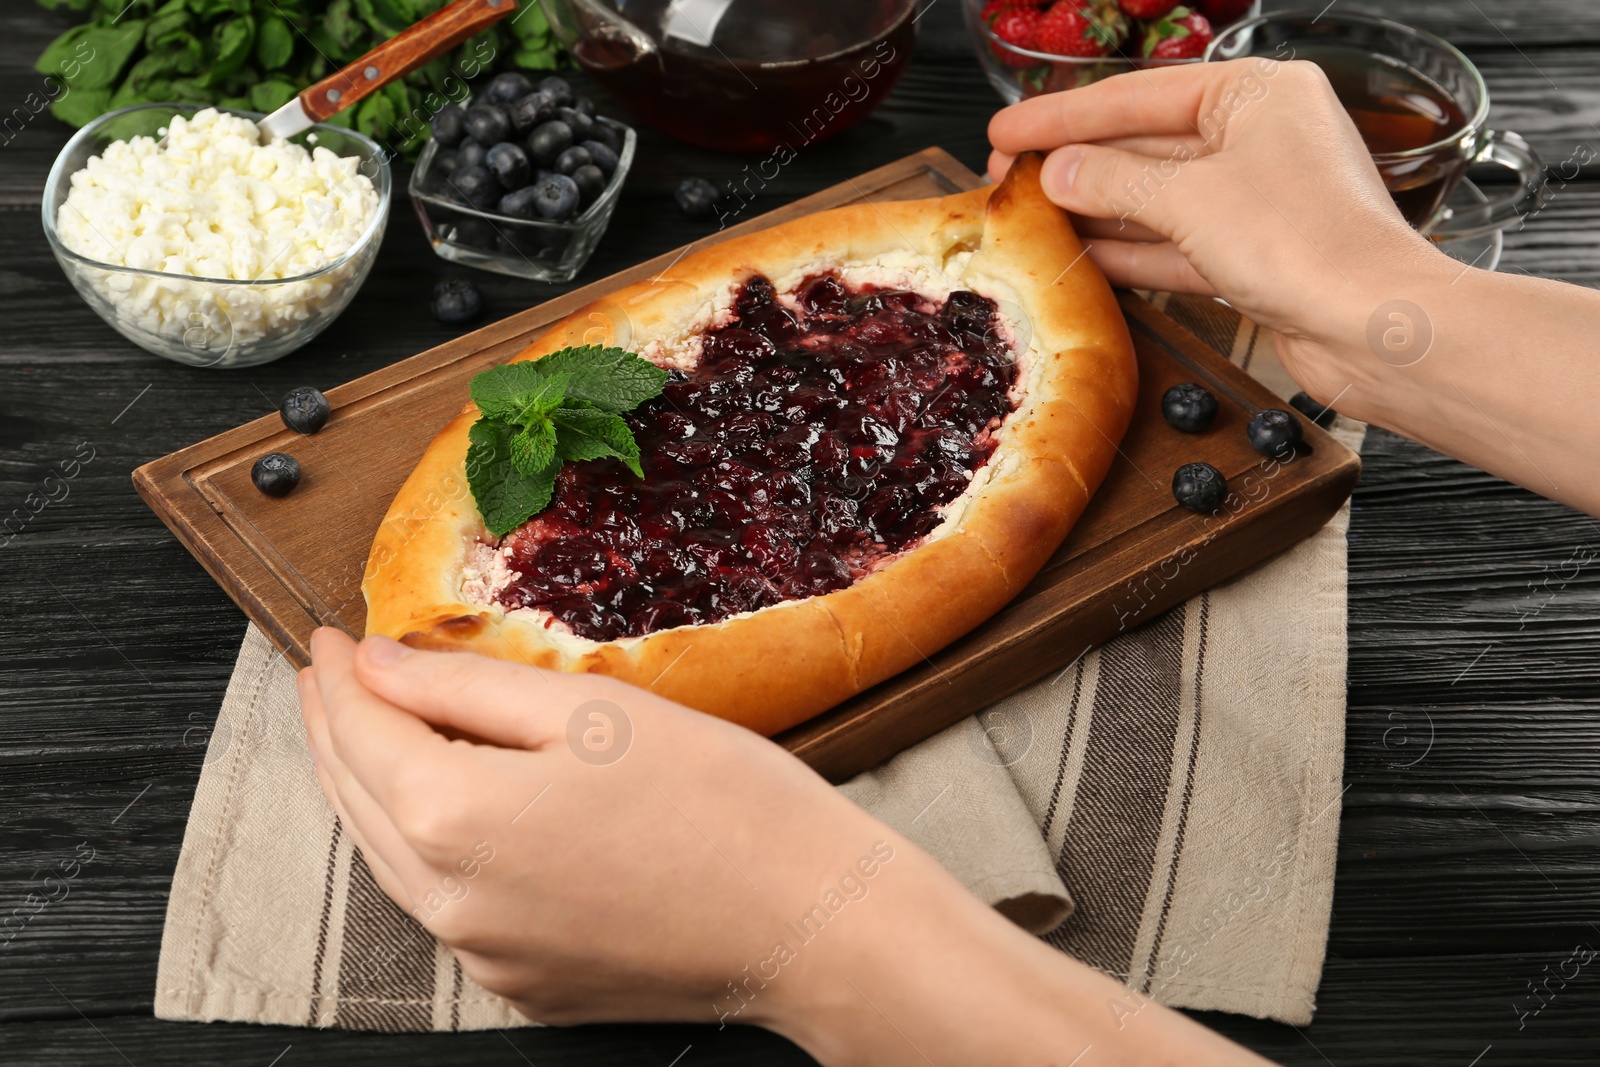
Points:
[(813, 439)]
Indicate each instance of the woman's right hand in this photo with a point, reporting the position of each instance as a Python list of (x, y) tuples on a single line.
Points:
[(1245, 180)]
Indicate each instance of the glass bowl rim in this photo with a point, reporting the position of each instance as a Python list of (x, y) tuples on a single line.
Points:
[(612, 191), (1141, 62), (57, 177), (1473, 126)]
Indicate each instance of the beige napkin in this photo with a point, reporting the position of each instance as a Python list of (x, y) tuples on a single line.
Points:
[(1164, 808)]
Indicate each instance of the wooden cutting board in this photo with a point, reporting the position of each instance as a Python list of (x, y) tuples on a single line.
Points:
[(295, 564)]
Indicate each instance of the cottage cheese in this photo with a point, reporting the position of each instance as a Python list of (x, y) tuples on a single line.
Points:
[(212, 202)]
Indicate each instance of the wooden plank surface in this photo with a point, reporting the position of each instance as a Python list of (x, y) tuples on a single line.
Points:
[(1460, 877)]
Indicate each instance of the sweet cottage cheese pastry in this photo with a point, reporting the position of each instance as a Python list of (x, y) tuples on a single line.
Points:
[(879, 422)]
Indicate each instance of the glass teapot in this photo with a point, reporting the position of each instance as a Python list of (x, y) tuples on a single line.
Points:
[(742, 75)]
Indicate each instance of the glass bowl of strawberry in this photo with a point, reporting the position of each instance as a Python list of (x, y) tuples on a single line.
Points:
[(1028, 47)]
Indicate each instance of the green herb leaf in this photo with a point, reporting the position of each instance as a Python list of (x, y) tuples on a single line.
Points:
[(234, 40), (274, 43), (270, 95), (612, 379), (79, 107), (506, 497), (585, 433), (534, 448), (512, 392)]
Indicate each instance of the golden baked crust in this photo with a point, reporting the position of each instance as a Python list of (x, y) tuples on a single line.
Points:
[(779, 666)]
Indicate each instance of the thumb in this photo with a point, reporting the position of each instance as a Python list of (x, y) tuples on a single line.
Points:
[(508, 704), (1112, 183)]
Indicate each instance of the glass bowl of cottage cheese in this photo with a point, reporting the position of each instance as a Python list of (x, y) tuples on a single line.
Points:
[(198, 243)]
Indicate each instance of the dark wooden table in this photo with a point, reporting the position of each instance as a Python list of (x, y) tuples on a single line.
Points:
[(1469, 860)]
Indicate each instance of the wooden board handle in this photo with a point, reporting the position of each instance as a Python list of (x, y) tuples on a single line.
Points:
[(402, 54)]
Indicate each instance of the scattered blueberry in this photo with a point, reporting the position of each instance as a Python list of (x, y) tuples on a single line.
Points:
[(1199, 487), (698, 197), (304, 409), (527, 112), (476, 186), (521, 203), (487, 124), (548, 140), (591, 182), (573, 158), (509, 164), (508, 87), (602, 156), (448, 125), (276, 473), (557, 197), (1188, 406), (580, 124), (558, 90), (455, 301), (1274, 432), (1312, 410), (471, 154)]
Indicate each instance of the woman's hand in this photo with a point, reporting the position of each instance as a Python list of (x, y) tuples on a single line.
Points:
[(1244, 180)]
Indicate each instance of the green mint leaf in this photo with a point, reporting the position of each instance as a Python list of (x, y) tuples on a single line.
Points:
[(506, 497), (586, 433), (274, 43), (516, 392), (533, 449), (611, 379)]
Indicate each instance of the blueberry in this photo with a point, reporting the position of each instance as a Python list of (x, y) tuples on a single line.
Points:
[(487, 124), (304, 409), (698, 197), (449, 125), (1188, 406), (508, 87), (276, 473), (548, 140), (509, 164), (473, 232), (580, 124), (591, 182), (1312, 410), (455, 301), (471, 154), (608, 135), (558, 90), (602, 156), (1199, 487), (573, 158), (557, 197), (446, 162), (527, 112), (585, 105), (1274, 432), (521, 203), (476, 186)]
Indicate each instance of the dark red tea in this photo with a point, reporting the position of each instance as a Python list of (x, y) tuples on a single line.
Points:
[(753, 75), (1397, 109)]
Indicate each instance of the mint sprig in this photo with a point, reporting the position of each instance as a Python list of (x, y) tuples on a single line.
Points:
[(539, 414)]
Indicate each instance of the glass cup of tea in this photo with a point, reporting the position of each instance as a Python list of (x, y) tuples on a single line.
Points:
[(1420, 105)]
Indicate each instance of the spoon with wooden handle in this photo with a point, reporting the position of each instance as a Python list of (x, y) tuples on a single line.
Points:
[(390, 61)]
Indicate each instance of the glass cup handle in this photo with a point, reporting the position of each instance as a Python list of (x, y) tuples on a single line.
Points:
[(1509, 150)]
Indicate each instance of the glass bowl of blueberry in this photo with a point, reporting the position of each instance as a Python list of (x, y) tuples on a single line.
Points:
[(523, 181)]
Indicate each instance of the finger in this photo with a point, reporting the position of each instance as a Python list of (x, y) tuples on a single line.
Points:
[(1108, 183), (367, 824), (374, 738), (1137, 265), (1162, 102), (1157, 148), (1111, 229), (504, 703)]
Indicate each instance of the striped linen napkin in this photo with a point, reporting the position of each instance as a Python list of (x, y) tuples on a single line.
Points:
[(1165, 808)]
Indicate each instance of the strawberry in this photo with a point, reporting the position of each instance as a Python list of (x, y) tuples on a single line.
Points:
[(1072, 28), (1181, 35), (993, 8), (1148, 9), (1018, 27), (1223, 12)]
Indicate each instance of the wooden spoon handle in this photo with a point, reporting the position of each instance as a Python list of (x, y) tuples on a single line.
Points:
[(402, 54)]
